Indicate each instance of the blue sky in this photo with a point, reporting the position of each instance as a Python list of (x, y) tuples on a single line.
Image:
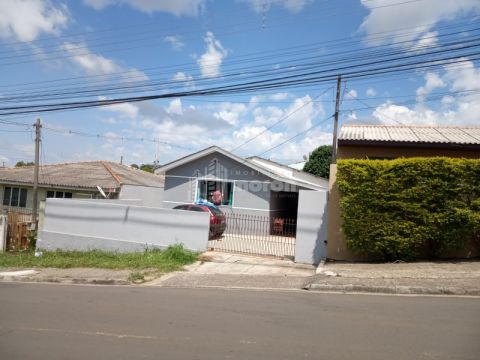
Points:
[(50, 45)]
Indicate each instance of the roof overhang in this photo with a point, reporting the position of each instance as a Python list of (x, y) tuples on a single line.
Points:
[(405, 144), (55, 186)]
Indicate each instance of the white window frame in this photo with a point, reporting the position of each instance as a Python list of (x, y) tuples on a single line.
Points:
[(197, 192)]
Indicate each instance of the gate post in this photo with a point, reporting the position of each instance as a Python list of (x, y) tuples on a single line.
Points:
[(3, 232), (311, 242)]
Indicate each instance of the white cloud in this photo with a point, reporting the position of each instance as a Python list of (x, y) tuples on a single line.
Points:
[(294, 6), (279, 96), (428, 39), (298, 116), (175, 7), (110, 121), (25, 20), (301, 114), (421, 16), (352, 115), (463, 109), (94, 64), (262, 142), (175, 41), (432, 82), (175, 107), (127, 110), (447, 100), (211, 61), (289, 152), (465, 77), (187, 80), (230, 112), (352, 94), (371, 92), (181, 76), (267, 115)]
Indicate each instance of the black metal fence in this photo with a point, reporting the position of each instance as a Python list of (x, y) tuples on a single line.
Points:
[(257, 235)]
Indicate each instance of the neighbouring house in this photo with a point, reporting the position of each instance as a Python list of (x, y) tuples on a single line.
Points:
[(248, 186), (81, 180), (390, 142)]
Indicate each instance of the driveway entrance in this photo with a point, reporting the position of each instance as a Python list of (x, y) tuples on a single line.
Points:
[(257, 235)]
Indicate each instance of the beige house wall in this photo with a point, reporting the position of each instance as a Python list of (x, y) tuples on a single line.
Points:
[(336, 245), (42, 195), (362, 152)]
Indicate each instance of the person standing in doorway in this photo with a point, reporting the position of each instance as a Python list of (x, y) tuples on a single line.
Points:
[(217, 197)]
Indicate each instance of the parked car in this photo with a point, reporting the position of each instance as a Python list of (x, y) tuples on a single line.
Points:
[(217, 217)]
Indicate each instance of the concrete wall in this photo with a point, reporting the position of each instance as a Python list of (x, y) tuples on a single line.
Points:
[(336, 242), (150, 196), (85, 225), (310, 246)]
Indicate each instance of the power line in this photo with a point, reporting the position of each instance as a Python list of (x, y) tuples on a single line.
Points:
[(114, 138), (276, 82), (296, 136), (310, 47), (281, 120), (150, 85)]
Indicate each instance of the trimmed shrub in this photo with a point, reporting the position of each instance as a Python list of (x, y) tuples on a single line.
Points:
[(397, 208)]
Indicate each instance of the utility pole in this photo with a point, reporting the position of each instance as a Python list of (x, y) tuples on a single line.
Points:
[(335, 124), (38, 126)]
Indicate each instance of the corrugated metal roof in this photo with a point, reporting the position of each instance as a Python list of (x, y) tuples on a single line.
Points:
[(415, 134), (82, 175)]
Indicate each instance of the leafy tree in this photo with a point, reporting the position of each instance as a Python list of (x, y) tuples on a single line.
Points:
[(319, 161), (23, 163), (135, 166), (147, 167)]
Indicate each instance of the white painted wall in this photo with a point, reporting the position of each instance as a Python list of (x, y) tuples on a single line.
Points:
[(150, 196), (310, 244), (86, 225)]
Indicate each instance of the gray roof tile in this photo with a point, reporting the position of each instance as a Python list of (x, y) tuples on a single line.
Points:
[(82, 175), (415, 134)]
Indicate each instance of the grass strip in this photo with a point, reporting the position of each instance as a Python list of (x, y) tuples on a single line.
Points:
[(170, 259)]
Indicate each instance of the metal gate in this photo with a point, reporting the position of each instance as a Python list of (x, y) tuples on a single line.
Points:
[(257, 235)]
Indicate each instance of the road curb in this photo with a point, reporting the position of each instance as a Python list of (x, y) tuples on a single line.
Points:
[(57, 280), (403, 290)]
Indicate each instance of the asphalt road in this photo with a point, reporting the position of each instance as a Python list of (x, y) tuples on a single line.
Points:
[(104, 322)]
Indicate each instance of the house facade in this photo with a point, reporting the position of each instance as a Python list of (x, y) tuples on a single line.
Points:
[(390, 142), (252, 186), (82, 180)]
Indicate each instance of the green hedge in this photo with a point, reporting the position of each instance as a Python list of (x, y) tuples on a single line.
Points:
[(396, 209)]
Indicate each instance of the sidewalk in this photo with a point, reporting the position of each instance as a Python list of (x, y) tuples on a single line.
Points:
[(216, 269), (224, 270), (239, 271), (435, 278)]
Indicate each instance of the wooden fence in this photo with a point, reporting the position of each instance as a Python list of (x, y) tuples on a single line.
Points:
[(18, 230)]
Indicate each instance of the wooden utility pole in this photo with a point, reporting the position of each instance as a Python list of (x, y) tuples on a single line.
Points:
[(38, 126), (335, 124)]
